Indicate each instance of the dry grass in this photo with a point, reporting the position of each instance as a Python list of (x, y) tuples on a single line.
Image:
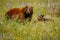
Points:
[(35, 30)]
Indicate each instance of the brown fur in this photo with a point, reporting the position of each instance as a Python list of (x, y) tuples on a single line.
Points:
[(21, 13), (43, 18)]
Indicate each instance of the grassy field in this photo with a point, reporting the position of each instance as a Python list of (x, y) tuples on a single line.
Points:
[(35, 30)]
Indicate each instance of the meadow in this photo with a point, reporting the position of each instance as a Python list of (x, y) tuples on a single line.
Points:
[(34, 30)]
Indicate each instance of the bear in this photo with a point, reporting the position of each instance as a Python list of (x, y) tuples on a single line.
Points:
[(45, 18), (21, 13)]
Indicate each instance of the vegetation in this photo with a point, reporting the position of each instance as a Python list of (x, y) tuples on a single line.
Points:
[(34, 30)]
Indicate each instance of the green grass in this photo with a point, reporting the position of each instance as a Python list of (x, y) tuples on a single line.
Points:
[(35, 30)]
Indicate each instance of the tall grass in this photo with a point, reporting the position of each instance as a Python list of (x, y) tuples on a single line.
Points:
[(34, 30)]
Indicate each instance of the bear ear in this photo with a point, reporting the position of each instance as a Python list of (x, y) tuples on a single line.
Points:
[(32, 7), (26, 6)]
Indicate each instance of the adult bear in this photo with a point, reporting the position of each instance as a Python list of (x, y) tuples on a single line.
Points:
[(20, 13)]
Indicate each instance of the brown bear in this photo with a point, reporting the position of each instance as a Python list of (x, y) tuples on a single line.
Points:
[(20, 13), (45, 18)]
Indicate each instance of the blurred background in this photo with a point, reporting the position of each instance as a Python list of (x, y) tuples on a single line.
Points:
[(14, 30)]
